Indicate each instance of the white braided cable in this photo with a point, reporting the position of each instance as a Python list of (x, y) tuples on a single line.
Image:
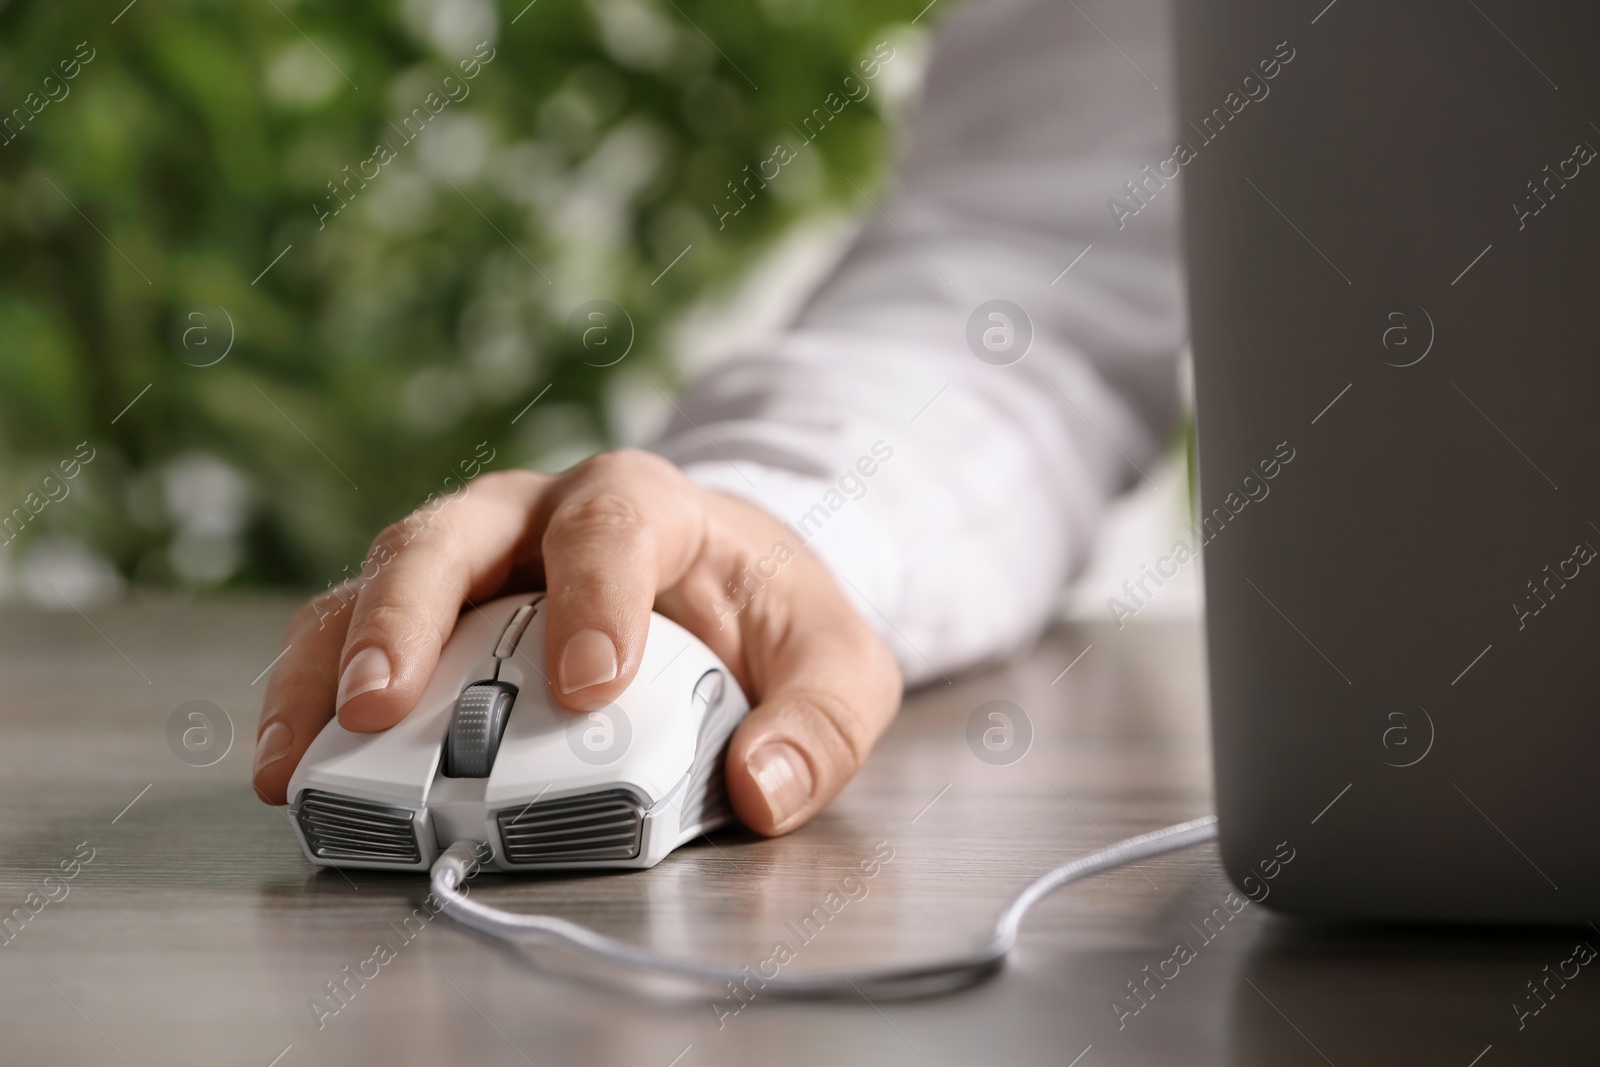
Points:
[(919, 979)]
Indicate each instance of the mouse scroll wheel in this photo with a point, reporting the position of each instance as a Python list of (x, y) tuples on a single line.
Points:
[(476, 724)]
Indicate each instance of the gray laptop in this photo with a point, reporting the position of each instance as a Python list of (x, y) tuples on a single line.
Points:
[(1394, 261)]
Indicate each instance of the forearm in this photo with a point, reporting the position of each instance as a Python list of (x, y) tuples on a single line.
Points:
[(985, 481)]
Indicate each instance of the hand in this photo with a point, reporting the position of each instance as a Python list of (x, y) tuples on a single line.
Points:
[(608, 540)]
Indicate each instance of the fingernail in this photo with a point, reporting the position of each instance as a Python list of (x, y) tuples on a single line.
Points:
[(784, 777), (272, 745), (368, 671), (589, 659)]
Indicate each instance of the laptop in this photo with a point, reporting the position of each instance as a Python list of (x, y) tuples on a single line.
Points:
[(1393, 241)]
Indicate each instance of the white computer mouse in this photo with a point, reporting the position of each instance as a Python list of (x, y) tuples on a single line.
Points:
[(488, 756)]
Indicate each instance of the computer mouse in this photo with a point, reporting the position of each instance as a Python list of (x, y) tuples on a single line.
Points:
[(488, 756)]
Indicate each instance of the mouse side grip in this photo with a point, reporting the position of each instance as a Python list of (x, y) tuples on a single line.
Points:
[(705, 803)]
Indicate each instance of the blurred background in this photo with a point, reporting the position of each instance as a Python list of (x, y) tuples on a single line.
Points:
[(273, 336), (274, 271)]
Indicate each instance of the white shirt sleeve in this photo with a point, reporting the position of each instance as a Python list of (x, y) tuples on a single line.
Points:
[(954, 498)]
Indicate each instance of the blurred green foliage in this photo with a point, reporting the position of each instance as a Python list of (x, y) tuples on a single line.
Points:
[(145, 203)]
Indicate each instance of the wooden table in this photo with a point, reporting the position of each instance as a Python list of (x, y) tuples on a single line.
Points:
[(198, 934)]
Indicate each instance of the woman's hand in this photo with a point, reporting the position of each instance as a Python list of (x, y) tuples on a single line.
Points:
[(610, 539)]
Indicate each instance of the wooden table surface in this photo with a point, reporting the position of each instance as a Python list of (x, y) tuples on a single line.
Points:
[(197, 933)]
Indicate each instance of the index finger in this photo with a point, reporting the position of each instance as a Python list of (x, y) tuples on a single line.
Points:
[(407, 610)]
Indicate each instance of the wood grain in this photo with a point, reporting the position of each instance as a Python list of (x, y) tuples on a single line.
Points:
[(198, 934)]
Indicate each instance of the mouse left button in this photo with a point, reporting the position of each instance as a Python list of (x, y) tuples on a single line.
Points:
[(476, 725)]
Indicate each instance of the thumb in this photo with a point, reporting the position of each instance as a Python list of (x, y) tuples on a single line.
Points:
[(827, 696)]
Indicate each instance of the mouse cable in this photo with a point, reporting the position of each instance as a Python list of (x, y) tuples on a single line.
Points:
[(909, 980)]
